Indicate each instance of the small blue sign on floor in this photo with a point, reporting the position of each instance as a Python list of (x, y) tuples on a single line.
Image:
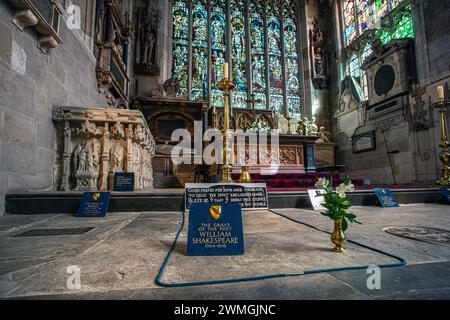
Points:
[(124, 181), (94, 204), (387, 199), (446, 193), (215, 230)]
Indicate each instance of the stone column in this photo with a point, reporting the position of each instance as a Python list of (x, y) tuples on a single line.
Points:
[(106, 145), (65, 186), (129, 148)]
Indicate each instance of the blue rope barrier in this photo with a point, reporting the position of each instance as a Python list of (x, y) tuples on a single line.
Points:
[(402, 262)]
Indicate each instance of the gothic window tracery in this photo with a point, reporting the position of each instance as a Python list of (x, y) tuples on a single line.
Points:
[(258, 38)]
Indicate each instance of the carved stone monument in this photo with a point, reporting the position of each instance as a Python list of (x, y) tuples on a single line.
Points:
[(93, 144)]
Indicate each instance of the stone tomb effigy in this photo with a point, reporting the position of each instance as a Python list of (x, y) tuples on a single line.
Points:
[(93, 144)]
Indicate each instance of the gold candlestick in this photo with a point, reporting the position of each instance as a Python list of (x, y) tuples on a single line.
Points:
[(444, 179), (226, 86)]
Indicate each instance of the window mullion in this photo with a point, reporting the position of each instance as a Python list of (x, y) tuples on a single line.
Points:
[(228, 49), (190, 3), (208, 6), (249, 51), (266, 54), (355, 10), (283, 64)]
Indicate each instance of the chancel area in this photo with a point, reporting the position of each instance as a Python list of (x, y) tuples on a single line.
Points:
[(170, 93)]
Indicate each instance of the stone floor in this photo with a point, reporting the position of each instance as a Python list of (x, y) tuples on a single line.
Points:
[(121, 256)]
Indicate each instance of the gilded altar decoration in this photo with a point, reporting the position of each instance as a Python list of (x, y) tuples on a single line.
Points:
[(93, 144), (226, 86), (442, 105)]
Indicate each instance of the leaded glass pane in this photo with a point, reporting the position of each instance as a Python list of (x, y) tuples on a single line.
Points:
[(381, 9), (239, 54), (180, 15), (218, 48), (275, 62), (349, 21), (212, 32), (291, 63), (199, 89), (363, 12), (257, 35)]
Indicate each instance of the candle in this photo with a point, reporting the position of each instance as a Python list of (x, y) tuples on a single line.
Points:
[(440, 91), (225, 70)]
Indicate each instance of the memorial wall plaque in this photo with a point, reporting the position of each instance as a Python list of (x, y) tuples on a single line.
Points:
[(386, 198), (124, 181), (250, 196), (364, 142), (94, 204), (215, 229), (446, 193)]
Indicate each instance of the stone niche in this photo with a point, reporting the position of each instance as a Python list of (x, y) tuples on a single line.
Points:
[(93, 144)]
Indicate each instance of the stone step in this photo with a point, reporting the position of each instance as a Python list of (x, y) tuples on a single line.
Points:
[(165, 201)]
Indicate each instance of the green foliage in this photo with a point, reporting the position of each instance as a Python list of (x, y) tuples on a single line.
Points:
[(337, 203)]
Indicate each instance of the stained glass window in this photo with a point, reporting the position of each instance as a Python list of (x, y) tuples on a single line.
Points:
[(291, 64), (258, 38), (358, 16), (239, 54), (275, 67), (395, 3), (349, 21), (180, 14), (199, 90), (218, 49), (363, 11), (258, 50), (381, 9)]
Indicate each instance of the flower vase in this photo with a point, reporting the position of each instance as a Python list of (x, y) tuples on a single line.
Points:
[(338, 237)]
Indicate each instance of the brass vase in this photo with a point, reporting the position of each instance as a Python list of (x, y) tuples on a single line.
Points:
[(245, 175), (338, 237)]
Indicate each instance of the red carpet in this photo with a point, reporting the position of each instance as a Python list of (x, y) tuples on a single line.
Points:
[(305, 181), (297, 182)]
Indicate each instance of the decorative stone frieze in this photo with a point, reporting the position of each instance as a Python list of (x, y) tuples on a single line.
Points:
[(93, 144)]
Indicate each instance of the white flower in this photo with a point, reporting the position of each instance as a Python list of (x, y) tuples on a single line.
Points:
[(350, 187), (341, 189), (322, 183)]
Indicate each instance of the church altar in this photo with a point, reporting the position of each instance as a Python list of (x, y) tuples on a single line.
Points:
[(295, 155)]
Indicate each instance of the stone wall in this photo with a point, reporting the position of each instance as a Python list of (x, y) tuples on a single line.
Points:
[(407, 151), (31, 84)]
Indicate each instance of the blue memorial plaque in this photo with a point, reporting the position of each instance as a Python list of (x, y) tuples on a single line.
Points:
[(94, 204), (215, 229), (387, 199), (124, 181), (446, 193)]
